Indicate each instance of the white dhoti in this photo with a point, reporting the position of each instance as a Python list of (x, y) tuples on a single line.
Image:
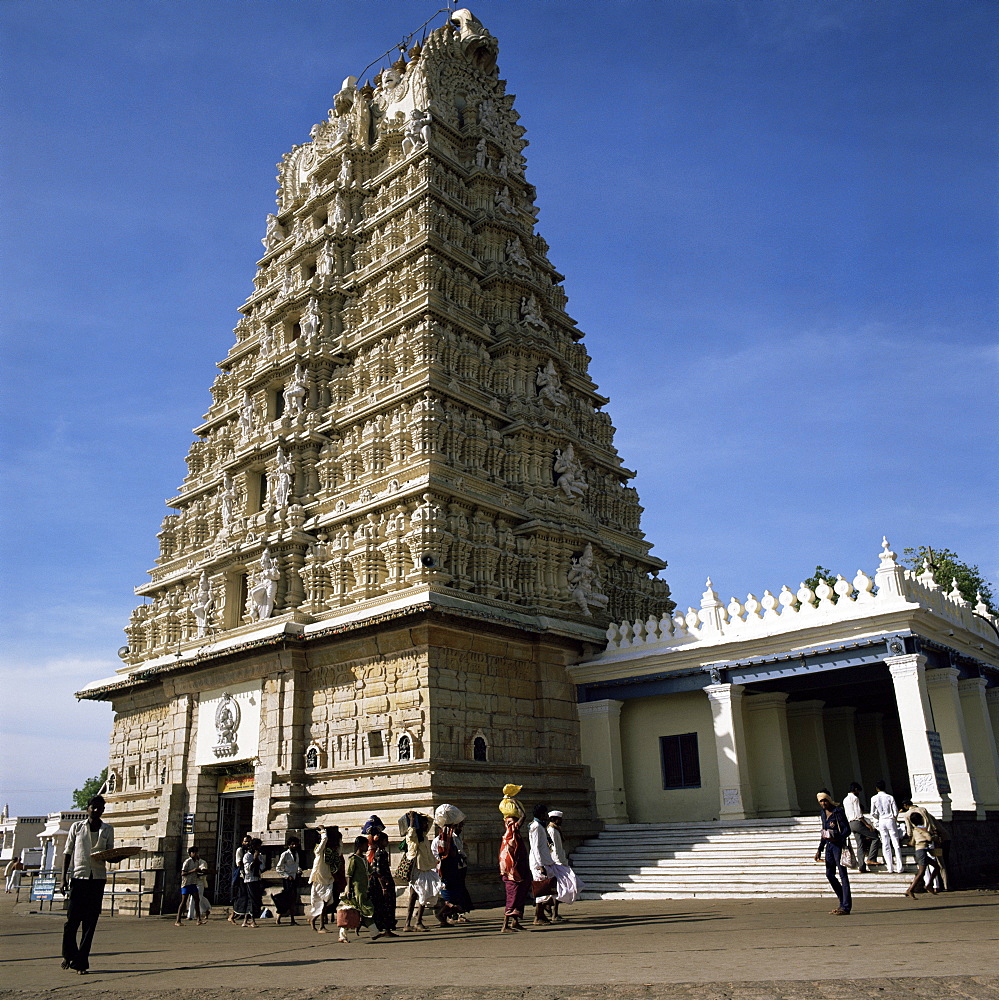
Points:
[(567, 885), (426, 886), (320, 896)]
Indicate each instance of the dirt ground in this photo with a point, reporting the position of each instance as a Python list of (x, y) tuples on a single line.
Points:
[(943, 947)]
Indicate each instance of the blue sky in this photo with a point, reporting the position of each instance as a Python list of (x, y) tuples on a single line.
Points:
[(777, 223)]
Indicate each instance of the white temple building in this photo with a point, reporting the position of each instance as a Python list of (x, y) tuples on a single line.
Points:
[(744, 710)]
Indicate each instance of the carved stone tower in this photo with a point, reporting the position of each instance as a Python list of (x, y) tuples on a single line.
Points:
[(404, 513)]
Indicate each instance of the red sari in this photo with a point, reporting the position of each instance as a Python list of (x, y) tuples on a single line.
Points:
[(515, 868)]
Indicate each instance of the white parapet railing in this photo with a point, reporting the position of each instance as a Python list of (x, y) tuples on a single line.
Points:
[(892, 588)]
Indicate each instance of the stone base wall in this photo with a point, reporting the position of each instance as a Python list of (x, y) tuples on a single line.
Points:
[(973, 860), (381, 720)]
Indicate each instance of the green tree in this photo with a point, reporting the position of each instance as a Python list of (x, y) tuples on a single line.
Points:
[(822, 574), (90, 788), (947, 567)]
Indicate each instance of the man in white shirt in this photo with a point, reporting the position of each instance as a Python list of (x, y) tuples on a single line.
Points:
[(541, 860), (288, 868), (86, 891), (884, 810), (865, 838)]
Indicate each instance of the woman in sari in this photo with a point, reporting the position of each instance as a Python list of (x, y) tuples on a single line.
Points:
[(514, 863), (451, 864), (355, 896), (381, 889), (424, 882), (326, 880)]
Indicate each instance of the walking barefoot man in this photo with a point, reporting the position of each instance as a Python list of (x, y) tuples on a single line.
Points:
[(190, 875), (86, 891)]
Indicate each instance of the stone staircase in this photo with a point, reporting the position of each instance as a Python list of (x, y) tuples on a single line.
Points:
[(731, 860)]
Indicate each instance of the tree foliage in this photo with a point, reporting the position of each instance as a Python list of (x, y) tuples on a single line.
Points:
[(91, 787), (821, 575), (947, 567)]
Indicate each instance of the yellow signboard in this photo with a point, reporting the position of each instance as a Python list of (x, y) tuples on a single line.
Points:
[(236, 783)]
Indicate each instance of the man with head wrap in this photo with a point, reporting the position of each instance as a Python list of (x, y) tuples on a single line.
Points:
[(835, 834)]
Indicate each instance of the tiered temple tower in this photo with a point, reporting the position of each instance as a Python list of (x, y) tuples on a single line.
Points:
[(404, 513)]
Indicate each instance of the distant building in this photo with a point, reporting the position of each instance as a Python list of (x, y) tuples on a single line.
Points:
[(52, 839), (18, 834)]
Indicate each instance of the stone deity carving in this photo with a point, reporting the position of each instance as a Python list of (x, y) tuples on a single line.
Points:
[(417, 131), (504, 166), (275, 233), (530, 312), (583, 585), (346, 176), (227, 505), (515, 253), (326, 263), (342, 129), (289, 282), (487, 115), (247, 417), (481, 156), (391, 78), (266, 341), (264, 589), (311, 323), (282, 479), (502, 201), (569, 472), (344, 99), (227, 726), (295, 391), (340, 216), (550, 385), (201, 606)]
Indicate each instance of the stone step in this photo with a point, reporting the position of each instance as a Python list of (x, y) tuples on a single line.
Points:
[(714, 860), (592, 881)]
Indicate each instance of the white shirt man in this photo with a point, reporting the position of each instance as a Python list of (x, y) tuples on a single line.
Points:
[(866, 842), (86, 890), (884, 810)]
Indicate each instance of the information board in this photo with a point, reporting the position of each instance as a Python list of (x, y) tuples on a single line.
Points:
[(939, 763), (43, 888)]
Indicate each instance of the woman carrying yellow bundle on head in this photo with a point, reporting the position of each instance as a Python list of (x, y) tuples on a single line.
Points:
[(515, 869)]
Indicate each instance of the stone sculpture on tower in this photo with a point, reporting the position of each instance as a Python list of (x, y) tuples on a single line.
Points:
[(403, 508)]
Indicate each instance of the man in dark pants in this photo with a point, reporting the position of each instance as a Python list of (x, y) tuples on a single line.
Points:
[(866, 840), (86, 891), (835, 833)]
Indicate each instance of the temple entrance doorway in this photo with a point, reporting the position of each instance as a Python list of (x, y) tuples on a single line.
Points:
[(235, 821)]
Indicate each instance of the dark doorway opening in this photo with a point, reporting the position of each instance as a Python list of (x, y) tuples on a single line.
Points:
[(235, 821)]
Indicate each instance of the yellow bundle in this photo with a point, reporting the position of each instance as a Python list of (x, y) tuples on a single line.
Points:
[(509, 806)]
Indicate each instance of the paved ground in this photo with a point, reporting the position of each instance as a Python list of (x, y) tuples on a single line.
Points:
[(943, 947)]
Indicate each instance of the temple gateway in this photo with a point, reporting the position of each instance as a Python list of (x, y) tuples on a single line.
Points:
[(406, 565)]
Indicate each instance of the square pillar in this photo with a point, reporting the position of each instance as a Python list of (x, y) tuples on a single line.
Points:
[(983, 756), (770, 754), (841, 749), (908, 675), (600, 747), (870, 730), (992, 700), (948, 718), (808, 747), (730, 748)]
